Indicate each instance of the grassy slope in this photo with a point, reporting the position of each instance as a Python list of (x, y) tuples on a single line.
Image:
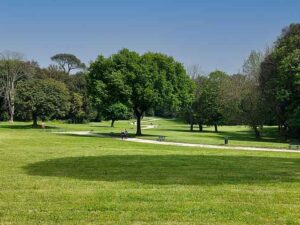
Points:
[(59, 179)]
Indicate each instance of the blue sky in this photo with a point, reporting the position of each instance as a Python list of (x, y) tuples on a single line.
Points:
[(215, 34)]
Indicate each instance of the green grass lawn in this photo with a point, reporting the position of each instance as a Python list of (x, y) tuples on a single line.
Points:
[(48, 178)]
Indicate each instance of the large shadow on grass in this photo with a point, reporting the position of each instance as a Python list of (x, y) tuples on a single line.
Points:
[(172, 169)]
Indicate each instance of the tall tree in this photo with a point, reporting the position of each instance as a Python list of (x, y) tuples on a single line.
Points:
[(67, 62), (251, 105), (12, 70), (145, 82)]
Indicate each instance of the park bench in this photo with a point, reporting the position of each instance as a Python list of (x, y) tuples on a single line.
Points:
[(161, 138), (294, 145)]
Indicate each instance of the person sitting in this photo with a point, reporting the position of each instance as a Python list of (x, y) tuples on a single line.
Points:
[(126, 133), (122, 135)]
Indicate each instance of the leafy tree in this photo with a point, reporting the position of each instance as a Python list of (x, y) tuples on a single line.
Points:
[(117, 111), (142, 82), (106, 86), (67, 62), (251, 104), (12, 70), (42, 99), (207, 105)]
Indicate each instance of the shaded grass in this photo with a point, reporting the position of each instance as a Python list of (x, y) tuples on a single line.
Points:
[(172, 169)]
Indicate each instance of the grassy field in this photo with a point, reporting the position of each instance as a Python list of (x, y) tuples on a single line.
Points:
[(47, 178)]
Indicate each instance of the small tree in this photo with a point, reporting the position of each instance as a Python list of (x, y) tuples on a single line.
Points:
[(67, 62), (117, 111), (42, 98)]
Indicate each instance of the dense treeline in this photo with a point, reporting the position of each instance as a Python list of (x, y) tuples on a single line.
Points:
[(266, 92), (126, 85)]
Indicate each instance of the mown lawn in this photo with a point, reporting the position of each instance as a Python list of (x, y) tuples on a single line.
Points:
[(47, 178)]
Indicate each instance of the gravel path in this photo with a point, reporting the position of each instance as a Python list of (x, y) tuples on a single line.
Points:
[(210, 146)]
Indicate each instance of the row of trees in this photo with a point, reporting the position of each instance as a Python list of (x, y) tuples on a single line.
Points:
[(228, 99), (267, 91), (28, 91), (112, 88), (128, 84)]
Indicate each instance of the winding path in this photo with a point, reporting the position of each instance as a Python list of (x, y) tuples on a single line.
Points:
[(138, 140), (210, 146)]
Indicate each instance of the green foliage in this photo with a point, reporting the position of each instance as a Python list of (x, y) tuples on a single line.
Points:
[(207, 106), (117, 111), (280, 77), (76, 113), (42, 99), (294, 123), (140, 82)]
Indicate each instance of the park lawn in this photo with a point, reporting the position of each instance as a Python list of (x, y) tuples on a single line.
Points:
[(47, 178)]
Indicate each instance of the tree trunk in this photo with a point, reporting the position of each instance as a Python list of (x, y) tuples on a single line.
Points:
[(216, 128), (200, 127), (11, 114), (138, 114), (34, 118), (256, 131), (11, 103), (191, 122), (112, 123), (192, 127)]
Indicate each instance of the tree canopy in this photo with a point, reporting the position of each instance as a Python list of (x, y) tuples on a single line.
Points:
[(43, 99), (280, 79), (67, 62), (141, 82)]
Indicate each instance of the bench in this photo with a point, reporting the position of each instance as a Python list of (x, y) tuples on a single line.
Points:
[(294, 146), (161, 138)]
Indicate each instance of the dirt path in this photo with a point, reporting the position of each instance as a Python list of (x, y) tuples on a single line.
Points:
[(210, 146)]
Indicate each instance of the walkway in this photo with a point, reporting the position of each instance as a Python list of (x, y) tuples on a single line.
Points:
[(211, 146)]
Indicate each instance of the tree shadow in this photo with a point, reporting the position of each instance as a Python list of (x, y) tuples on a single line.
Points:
[(172, 169)]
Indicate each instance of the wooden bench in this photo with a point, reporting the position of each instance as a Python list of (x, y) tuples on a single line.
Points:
[(161, 138), (294, 146)]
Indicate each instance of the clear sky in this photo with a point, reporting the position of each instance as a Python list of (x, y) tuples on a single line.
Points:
[(215, 34)]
